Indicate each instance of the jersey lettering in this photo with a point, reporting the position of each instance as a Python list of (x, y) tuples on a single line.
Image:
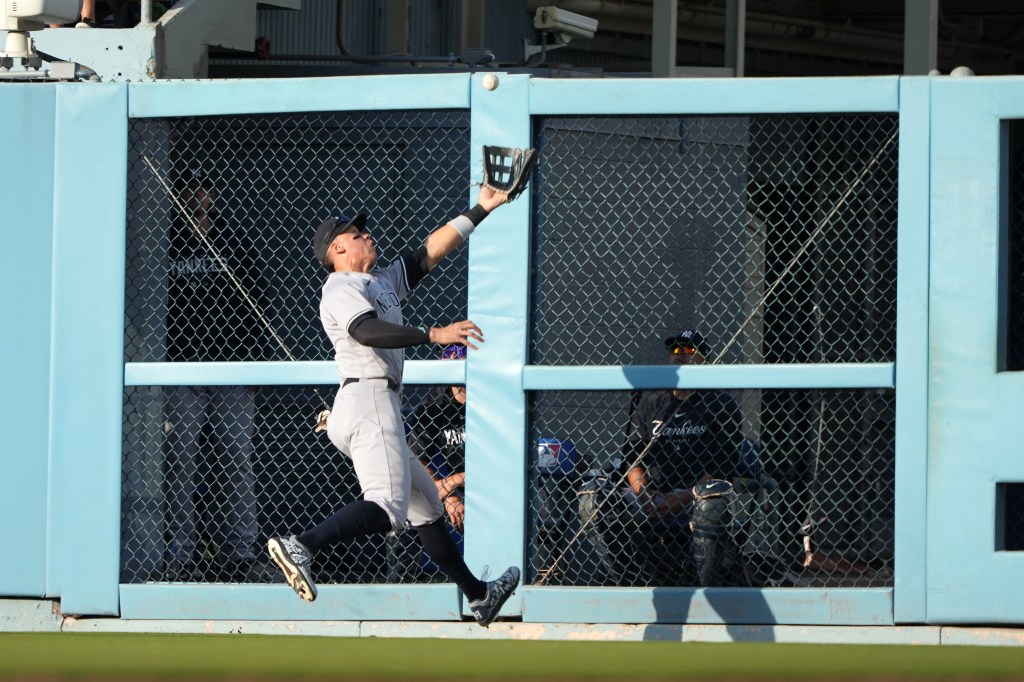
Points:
[(454, 436), (385, 301), (195, 266), (686, 429)]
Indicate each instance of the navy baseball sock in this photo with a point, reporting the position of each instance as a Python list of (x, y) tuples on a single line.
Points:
[(440, 547), (351, 521)]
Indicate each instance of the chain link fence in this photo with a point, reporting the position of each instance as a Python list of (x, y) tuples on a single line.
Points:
[(774, 238), (221, 213), (210, 473), (811, 470)]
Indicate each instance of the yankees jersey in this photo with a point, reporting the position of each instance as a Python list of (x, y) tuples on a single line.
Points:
[(696, 437), (437, 429), (348, 295), (208, 317)]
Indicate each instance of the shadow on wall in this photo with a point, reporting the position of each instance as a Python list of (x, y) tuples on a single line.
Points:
[(743, 611)]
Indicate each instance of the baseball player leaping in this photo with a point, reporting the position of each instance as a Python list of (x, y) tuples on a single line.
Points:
[(361, 312)]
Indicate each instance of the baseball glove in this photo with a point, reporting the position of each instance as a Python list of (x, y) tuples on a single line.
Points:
[(508, 169)]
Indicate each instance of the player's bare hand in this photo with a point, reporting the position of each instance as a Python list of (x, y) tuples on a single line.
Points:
[(456, 511), (491, 198), (464, 332)]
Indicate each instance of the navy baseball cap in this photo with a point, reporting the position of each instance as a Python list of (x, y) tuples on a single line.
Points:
[(331, 228), (687, 338)]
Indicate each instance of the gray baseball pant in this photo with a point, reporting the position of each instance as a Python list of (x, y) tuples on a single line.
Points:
[(366, 425)]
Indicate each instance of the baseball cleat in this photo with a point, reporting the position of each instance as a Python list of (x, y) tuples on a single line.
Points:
[(498, 591), (294, 560)]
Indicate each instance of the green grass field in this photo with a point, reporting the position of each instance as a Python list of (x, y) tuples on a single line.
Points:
[(59, 656)]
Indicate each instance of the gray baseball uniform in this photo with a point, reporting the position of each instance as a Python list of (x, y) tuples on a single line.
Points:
[(362, 315), (366, 421)]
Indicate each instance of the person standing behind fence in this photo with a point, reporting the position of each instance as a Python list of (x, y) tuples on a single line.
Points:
[(361, 313), (209, 319)]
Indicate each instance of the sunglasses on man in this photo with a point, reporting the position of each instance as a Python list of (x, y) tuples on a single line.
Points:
[(687, 349)]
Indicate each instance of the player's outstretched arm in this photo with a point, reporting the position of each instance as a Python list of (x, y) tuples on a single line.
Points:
[(444, 239), (370, 331)]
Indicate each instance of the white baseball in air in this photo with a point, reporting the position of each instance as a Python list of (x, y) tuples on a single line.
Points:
[(490, 82)]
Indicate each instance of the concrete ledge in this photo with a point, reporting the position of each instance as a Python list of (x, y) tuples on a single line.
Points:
[(983, 636), (792, 634), (43, 615), (660, 633), (29, 615), (215, 627)]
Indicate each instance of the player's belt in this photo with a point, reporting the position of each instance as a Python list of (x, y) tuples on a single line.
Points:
[(392, 384)]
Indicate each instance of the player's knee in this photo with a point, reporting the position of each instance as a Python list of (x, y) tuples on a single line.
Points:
[(395, 512), (399, 516)]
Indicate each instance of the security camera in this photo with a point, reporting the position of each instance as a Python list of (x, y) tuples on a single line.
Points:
[(567, 24), (32, 15), (21, 16)]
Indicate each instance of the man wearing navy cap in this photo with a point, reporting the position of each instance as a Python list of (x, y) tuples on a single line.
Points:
[(696, 434), (361, 313)]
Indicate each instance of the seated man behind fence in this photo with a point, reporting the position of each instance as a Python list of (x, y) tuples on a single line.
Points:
[(678, 439)]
